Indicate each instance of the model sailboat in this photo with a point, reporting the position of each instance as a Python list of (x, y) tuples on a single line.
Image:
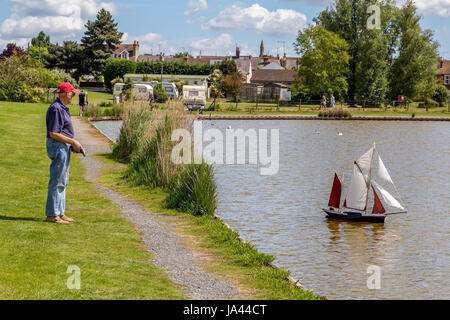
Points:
[(362, 182)]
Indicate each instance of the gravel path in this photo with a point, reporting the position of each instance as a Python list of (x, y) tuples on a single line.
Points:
[(170, 250)]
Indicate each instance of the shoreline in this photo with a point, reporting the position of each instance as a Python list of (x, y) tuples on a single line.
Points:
[(293, 117), (293, 281)]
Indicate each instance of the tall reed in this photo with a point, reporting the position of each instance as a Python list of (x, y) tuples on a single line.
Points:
[(135, 118), (145, 142), (193, 190)]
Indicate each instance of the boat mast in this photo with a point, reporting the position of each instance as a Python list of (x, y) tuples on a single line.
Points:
[(369, 177)]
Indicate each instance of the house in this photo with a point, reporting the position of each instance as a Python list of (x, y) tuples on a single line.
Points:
[(443, 74), (265, 77), (127, 51)]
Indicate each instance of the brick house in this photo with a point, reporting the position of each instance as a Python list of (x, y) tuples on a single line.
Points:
[(443, 74), (127, 51)]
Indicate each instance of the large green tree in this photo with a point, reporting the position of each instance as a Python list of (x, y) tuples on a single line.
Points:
[(381, 67), (99, 42), (69, 57), (325, 61), (411, 72), (370, 34)]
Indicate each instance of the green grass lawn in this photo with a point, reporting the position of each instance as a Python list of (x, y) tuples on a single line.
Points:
[(35, 255)]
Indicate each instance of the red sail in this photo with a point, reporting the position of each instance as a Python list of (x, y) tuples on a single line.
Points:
[(335, 196), (377, 205)]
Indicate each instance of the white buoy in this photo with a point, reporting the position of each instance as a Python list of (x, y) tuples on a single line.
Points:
[(229, 127), (340, 133)]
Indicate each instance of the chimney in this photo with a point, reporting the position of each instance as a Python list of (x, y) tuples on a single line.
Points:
[(238, 52), (441, 63), (135, 49), (284, 61), (261, 49)]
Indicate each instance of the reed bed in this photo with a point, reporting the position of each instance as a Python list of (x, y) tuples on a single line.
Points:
[(145, 144)]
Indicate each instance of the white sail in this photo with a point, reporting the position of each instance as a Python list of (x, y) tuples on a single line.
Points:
[(357, 191), (387, 197), (365, 160), (382, 172)]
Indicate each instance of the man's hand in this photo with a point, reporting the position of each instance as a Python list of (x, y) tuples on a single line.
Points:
[(76, 146)]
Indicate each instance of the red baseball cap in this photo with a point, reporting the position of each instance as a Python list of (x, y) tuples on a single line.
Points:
[(66, 87)]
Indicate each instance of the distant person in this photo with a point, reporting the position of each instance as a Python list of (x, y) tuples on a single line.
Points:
[(151, 99), (324, 101), (332, 101), (60, 140), (82, 101)]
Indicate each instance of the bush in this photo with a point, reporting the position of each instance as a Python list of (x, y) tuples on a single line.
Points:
[(92, 110), (193, 190), (19, 92), (440, 94), (335, 113), (64, 77), (117, 68), (160, 94)]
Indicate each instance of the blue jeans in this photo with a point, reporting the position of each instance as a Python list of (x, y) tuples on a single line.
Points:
[(59, 153)]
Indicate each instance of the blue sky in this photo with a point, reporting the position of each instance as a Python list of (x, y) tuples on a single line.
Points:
[(212, 26)]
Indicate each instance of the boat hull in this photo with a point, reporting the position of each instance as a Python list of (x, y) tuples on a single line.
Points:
[(354, 216)]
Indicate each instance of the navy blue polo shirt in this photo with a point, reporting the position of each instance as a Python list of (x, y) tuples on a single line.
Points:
[(58, 119)]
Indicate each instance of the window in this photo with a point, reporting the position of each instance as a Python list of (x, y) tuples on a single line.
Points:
[(193, 93), (447, 79), (124, 55)]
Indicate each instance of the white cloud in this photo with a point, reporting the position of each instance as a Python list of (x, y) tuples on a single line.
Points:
[(259, 19), (222, 44), (61, 19), (151, 43), (196, 6), (434, 7)]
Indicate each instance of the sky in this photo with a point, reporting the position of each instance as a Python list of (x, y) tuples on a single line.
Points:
[(209, 27)]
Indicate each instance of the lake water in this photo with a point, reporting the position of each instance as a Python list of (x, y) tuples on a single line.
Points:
[(281, 214)]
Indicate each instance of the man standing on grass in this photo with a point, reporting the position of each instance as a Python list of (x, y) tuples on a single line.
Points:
[(60, 138)]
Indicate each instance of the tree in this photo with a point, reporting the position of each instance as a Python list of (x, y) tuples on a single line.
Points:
[(11, 50), (117, 68), (370, 48), (160, 94), (440, 94), (380, 65), (42, 40), (325, 61), (232, 83), (228, 67), (215, 87), (68, 57), (99, 42), (127, 88), (412, 72)]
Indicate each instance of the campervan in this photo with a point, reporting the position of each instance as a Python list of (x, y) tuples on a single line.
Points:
[(194, 97), (140, 92)]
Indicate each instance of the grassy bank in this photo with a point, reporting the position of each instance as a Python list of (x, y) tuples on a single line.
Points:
[(35, 255)]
